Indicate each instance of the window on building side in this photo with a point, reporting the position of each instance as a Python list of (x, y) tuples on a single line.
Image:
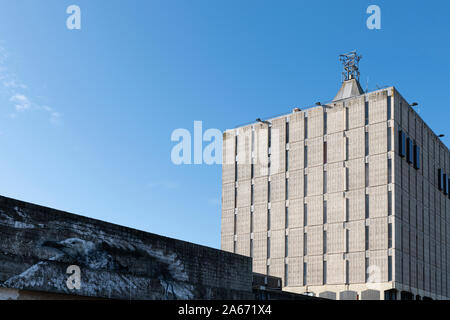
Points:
[(445, 186), (389, 268), (416, 156), (305, 214), (287, 132), (390, 235), (401, 143), (306, 127), (305, 273), (367, 237), (366, 113), (287, 189), (389, 107), (366, 139), (286, 273), (286, 213), (409, 150), (287, 160)]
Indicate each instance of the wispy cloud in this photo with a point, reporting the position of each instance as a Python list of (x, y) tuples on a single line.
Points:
[(16, 90), (21, 102)]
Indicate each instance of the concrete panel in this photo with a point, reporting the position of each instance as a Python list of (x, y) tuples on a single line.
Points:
[(356, 232), (378, 107), (296, 183), (315, 210), (355, 112), (295, 243), (315, 181), (228, 196), (356, 146), (335, 177), (335, 269), (357, 267), (296, 127), (378, 202)]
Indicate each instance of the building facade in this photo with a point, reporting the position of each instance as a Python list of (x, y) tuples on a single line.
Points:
[(348, 200)]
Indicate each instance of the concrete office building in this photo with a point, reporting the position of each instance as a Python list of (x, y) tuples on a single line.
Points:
[(345, 200)]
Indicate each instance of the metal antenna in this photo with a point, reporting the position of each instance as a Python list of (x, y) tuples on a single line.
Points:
[(351, 65)]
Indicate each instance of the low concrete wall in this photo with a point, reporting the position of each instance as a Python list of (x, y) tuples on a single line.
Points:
[(38, 244)]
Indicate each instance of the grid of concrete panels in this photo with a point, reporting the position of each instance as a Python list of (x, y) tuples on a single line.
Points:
[(326, 161), (354, 185), (421, 211)]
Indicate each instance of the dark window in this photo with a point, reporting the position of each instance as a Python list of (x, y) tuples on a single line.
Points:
[(390, 235), (347, 240), (305, 156), (325, 212), (409, 144), (286, 213), (252, 170), (286, 246), (268, 247), (389, 139), (306, 127), (251, 222), (389, 203), (347, 272), (305, 273), (325, 120), (287, 189), (287, 160), (366, 138), (448, 188), (286, 273), (268, 219), (367, 206), (324, 272), (367, 237), (389, 170), (416, 156), (268, 191), (440, 179), (324, 242), (270, 137), (251, 247), (401, 143), (305, 244), (287, 132), (252, 194), (445, 187), (305, 215), (325, 152), (389, 111), (389, 268), (366, 112), (305, 185)]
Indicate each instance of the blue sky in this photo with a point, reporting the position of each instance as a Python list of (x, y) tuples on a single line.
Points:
[(86, 115)]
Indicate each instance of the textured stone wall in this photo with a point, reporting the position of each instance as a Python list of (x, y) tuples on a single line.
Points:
[(37, 244)]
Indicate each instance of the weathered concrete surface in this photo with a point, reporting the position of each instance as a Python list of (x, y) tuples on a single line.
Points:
[(37, 244)]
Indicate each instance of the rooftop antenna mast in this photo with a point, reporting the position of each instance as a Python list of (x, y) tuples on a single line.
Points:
[(350, 62)]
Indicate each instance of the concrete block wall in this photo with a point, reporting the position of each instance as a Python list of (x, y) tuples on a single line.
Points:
[(421, 210), (38, 244), (346, 184)]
